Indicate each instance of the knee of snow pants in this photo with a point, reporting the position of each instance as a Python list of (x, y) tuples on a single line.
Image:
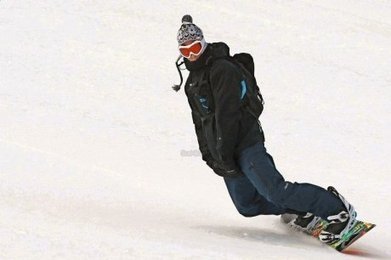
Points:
[(247, 199)]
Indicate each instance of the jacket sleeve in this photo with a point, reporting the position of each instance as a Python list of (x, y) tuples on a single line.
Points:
[(202, 144), (225, 82)]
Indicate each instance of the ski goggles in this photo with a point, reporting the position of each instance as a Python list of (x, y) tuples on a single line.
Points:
[(194, 48)]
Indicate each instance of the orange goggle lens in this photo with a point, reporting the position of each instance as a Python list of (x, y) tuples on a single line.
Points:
[(194, 48)]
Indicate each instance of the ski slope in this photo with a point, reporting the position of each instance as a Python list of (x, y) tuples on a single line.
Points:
[(98, 156)]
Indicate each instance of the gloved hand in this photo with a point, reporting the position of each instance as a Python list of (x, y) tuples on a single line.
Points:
[(224, 170)]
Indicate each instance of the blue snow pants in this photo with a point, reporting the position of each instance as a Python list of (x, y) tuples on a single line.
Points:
[(263, 191)]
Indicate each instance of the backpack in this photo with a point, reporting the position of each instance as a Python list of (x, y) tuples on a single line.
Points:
[(252, 100)]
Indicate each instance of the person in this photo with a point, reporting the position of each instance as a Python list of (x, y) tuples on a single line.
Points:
[(232, 143)]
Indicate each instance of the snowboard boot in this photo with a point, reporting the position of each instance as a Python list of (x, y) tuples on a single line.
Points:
[(340, 223), (306, 223)]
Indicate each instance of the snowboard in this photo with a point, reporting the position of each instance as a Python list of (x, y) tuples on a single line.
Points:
[(359, 229)]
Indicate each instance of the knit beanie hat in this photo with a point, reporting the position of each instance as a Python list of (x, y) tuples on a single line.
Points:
[(189, 31)]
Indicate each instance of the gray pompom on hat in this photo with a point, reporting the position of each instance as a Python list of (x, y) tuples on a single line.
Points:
[(189, 31)]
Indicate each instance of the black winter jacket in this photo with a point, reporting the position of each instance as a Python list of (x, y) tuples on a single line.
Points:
[(213, 89)]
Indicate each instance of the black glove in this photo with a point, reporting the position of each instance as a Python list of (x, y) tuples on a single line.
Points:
[(224, 170)]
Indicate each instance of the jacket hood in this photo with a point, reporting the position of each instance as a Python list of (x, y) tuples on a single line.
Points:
[(220, 49), (212, 51)]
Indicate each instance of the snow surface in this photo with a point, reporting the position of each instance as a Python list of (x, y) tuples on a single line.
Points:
[(98, 156)]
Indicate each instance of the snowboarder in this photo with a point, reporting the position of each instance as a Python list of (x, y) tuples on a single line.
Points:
[(231, 142)]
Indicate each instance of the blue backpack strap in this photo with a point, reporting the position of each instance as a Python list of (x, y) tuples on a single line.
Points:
[(244, 89)]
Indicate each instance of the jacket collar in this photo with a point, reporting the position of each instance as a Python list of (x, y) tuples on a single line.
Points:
[(212, 51)]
